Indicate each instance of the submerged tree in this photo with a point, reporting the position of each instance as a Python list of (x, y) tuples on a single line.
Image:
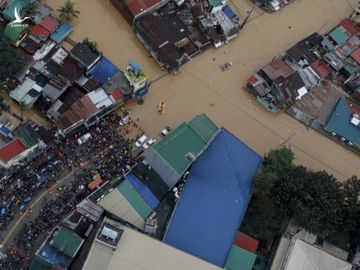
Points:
[(67, 12), (31, 10), (92, 45), (23, 107)]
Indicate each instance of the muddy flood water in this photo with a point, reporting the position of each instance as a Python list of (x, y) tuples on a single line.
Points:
[(201, 86)]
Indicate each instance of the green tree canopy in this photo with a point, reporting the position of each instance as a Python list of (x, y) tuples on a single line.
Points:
[(9, 62), (67, 12), (31, 10), (313, 199), (92, 45), (351, 190)]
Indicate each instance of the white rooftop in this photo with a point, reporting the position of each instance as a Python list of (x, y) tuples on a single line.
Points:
[(137, 251), (304, 256)]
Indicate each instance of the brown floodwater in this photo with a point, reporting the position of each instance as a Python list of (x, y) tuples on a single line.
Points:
[(201, 86)]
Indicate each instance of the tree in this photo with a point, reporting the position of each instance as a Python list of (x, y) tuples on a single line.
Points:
[(279, 160), (92, 45), (263, 218), (351, 211), (30, 10), (9, 63), (67, 12), (23, 107), (313, 199)]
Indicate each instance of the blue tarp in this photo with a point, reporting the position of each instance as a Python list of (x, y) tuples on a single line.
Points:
[(229, 12), (103, 70), (214, 200), (339, 122), (144, 191), (61, 32)]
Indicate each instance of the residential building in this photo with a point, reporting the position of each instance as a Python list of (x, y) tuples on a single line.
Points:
[(344, 122), (60, 248), (131, 200), (15, 33), (84, 55), (301, 255)]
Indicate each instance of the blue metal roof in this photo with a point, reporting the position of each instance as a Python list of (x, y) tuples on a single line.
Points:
[(144, 191), (135, 65), (61, 32), (339, 122), (5, 131), (214, 200), (103, 70)]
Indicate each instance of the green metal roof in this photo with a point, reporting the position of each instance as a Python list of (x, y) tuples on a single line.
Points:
[(351, 66), (186, 138), (39, 264), (13, 32), (135, 199), (203, 126), (27, 135), (215, 3), (339, 36), (240, 259), (66, 241)]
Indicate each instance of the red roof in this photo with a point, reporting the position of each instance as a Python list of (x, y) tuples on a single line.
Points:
[(138, 6), (252, 80), (11, 150), (40, 31), (348, 25), (117, 95), (356, 55), (4, 3), (49, 23), (352, 106), (246, 242), (96, 182), (321, 68)]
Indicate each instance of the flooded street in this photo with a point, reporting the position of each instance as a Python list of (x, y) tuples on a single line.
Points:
[(201, 86)]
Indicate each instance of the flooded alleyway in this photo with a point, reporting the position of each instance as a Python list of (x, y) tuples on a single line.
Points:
[(201, 86)]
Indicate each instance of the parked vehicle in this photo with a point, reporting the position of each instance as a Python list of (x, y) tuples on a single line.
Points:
[(151, 141), (165, 131), (124, 121), (83, 139), (140, 141)]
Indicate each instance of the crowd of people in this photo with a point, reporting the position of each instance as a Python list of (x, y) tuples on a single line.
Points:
[(108, 153)]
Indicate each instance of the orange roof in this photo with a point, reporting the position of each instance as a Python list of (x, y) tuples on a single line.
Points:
[(117, 95), (11, 150), (96, 182), (246, 242)]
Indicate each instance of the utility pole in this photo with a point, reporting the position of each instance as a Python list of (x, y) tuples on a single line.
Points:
[(247, 18)]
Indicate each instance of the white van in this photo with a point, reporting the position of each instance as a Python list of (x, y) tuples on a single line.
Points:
[(83, 139), (140, 141)]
